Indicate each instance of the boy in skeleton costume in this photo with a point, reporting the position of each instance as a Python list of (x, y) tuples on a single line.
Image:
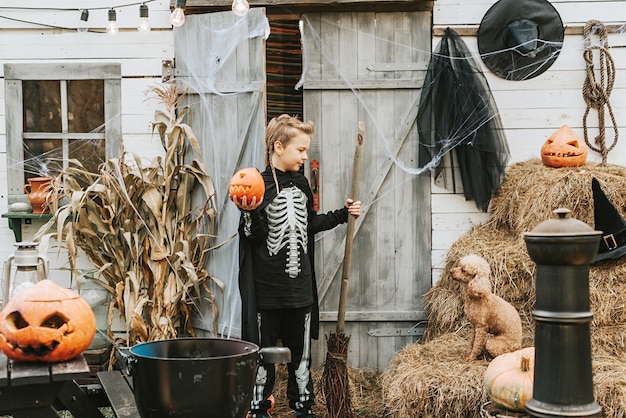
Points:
[(276, 276)]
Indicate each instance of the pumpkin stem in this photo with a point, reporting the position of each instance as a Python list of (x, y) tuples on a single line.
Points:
[(525, 362)]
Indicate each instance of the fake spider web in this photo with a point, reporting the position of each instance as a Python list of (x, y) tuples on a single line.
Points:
[(471, 135)]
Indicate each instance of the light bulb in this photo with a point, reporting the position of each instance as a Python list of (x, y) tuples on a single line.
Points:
[(240, 7), (112, 27), (177, 18), (84, 17), (144, 25)]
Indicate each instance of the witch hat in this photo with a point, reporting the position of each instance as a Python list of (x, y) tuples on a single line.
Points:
[(520, 39), (608, 220)]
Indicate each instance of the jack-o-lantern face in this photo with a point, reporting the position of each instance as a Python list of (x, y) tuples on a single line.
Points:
[(46, 322), (564, 149), (247, 182)]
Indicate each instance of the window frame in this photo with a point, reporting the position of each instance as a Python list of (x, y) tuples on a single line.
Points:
[(15, 74)]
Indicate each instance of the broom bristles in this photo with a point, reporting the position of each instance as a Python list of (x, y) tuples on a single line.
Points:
[(336, 383)]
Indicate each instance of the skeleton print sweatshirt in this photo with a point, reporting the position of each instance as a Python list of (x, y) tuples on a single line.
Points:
[(276, 247)]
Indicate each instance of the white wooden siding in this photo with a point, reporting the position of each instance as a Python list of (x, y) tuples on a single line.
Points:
[(468, 12), (532, 110), (140, 56)]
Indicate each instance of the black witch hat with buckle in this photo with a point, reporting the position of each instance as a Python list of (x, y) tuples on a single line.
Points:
[(613, 226)]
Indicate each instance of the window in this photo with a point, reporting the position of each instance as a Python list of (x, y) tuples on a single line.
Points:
[(57, 112)]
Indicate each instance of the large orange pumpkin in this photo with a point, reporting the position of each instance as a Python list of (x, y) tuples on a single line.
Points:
[(247, 182), (564, 149), (509, 379), (46, 322)]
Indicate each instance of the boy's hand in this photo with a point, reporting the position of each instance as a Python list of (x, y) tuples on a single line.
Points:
[(354, 208), (243, 202)]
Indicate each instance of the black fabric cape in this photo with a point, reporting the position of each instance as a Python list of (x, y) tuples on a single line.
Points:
[(458, 116), (249, 330)]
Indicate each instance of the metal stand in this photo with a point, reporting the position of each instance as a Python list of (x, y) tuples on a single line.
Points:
[(563, 248)]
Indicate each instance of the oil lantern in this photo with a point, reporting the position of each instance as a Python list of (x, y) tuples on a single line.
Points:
[(26, 260)]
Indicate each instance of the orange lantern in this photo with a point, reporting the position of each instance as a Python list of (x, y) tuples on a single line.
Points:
[(46, 322), (247, 182), (564, 149)]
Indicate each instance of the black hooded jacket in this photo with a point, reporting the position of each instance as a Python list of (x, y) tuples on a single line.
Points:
[(264, 282)]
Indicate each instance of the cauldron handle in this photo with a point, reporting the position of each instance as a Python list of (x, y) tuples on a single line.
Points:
[(128, 358), (273, 355)]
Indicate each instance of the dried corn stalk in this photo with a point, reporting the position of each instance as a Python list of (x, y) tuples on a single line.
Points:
[(139, 226)]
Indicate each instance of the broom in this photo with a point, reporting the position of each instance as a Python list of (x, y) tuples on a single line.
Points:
[(335, 375)]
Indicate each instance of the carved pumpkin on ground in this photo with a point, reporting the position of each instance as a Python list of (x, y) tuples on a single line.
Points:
[(509, 379), (46, 322), (247, 182), (564, 149)]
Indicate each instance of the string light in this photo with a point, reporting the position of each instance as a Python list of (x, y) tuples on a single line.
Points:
[(240, 7), (177, 18), (82, 25), (144, 25), (112, 27)]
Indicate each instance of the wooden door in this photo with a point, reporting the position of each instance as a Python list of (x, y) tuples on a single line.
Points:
[(370, 67), (221, 59)]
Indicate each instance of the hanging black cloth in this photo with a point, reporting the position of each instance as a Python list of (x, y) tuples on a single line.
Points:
[(458, 116)]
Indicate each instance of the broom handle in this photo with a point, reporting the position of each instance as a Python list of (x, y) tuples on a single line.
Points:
[(354, 193)]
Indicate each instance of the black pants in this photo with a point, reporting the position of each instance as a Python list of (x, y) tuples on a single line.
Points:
[(293, 328)]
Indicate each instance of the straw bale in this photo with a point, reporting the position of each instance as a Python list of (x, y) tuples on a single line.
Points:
[(430, 379), (609, 340), (610, 384), (531, 191), (512, 273), (607, 292), (365, 393)]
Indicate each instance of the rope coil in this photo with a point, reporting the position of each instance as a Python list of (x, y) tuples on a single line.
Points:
[(596, 94)]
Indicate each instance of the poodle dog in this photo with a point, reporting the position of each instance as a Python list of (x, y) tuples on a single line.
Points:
[(488, 313)]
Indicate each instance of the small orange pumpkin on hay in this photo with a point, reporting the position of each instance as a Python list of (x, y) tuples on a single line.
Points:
[(509, 379), (564, 149)]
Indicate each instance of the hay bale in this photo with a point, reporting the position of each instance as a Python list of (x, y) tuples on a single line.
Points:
[(365, 393), (512, 273), (609, 379), (531, 191), (607, 292), (608, 340), (431, 379)]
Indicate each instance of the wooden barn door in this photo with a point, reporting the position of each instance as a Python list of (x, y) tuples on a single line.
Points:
[(221, 58), (370, 67)]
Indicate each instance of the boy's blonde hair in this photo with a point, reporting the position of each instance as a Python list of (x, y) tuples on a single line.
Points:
[(283, 129)]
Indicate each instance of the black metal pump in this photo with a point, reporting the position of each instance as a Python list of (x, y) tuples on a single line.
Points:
[(562, 248)]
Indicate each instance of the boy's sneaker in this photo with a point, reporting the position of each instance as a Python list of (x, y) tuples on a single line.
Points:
[(272, 403), (305, 413)]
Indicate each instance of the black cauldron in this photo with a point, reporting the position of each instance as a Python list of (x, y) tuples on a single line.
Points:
[(196, 377)]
